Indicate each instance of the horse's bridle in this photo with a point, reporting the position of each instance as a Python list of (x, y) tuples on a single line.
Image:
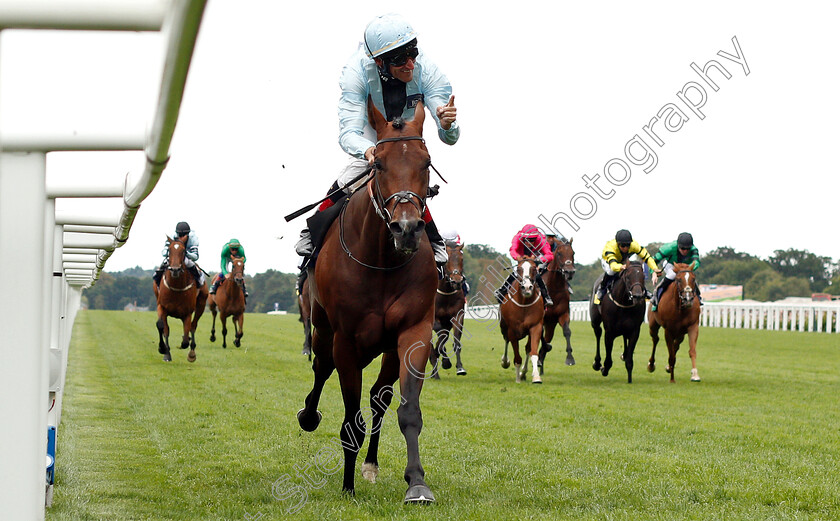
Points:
[(380, 204), (629, 292), (685, 301)]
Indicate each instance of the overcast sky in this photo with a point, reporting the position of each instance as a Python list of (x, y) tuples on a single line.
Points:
[(547, 93)]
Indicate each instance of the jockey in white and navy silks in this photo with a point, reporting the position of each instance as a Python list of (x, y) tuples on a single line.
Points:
[(182, 229), (389, 68)]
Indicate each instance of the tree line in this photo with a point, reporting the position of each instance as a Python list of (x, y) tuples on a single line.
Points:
[(786, 273)]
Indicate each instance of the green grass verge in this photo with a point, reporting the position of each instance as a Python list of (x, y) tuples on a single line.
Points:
[(757, 439)]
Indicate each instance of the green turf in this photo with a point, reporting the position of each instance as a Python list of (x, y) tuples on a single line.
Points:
[(757, 439)]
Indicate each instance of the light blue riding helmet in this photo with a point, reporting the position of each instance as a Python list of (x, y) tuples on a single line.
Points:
[(386, 33)]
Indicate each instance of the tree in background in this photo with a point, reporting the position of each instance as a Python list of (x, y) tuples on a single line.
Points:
[(803, 264)]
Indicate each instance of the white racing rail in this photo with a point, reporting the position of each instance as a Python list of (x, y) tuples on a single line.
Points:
[(49, 258)]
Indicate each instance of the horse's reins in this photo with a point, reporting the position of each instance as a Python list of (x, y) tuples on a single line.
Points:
[(630, 290), (177, 289)]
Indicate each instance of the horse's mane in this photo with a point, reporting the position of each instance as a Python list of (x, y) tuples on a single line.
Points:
[(398, 123)]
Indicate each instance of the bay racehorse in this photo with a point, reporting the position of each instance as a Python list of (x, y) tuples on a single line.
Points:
[(230, 302), (622, 311), (557, 275), (678, 313), (449, 311), (521, 316), (305, 308), (373, 292), (178, 296)]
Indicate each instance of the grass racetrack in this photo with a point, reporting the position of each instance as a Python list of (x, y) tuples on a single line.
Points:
[(757, 439)]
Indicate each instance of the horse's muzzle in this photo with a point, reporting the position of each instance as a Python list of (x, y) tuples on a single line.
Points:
[(569, 273), (407, 234), (176, 272)]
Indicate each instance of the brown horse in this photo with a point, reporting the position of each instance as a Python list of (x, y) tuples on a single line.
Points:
[(557, 276), (230, 302), (305, 308), (622, 311), (679, 313), (449, 312), (178, 296), (373, 292), (521, 316)]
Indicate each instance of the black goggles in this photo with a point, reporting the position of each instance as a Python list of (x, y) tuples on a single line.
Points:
[(400, 59)]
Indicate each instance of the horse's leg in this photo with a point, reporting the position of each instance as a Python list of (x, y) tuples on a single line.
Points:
[(353, 427), (458, 328), (517, 358), (609, 338), (671, 341), (163, 335), (629, 349), (596, 327), (535, 334), (380, 398), (238, 321), (322, 366), (693, 333), (505, 359), (307, 337), (224, 329), (654, 335), (445, 362), (213, 327), (413, 347), (547, 336), (434, 354), (200, 303), (189, 337)]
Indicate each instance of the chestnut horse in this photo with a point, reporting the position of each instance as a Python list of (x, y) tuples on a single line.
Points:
[(622, 311), (230, 301), (373, 292), (679, 314), (557, 276), (178, 296), (305, 317), (449, 312), (521, 316)]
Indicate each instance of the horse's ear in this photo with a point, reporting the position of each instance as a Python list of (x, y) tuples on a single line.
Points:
[(168, 238), (570, 241), (376, 119), (419, 116)]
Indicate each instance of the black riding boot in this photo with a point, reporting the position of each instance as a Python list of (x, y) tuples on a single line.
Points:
[(438, 244), (159, 272), (658, 291), (195, 273), (502, 292), (546, 297)]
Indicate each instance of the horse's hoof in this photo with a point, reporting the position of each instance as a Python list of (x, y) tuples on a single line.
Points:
[(446, 363), (306, 424), (605, 371), (695, 377), (191, 356), (596, 366), (419, 494), (651, 368), (536, 380), (461, 372), (505, 363), (306, 352), (370, 471), (212, 338), (622, 357), (435, 376), (167, 357), (570, 360), (237, 343)]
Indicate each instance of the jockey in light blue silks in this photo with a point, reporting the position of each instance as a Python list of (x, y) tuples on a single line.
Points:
[(389, 68)]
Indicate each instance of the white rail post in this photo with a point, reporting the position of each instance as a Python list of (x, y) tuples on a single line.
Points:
[(23, 447)]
